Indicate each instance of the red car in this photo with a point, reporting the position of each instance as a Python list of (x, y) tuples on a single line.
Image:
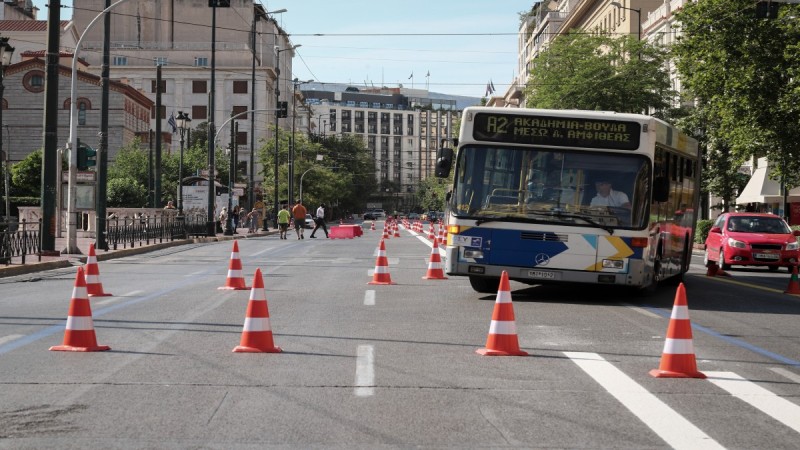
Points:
[(752, 239)]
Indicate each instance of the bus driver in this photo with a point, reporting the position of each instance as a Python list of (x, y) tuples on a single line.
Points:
[(606, 196)]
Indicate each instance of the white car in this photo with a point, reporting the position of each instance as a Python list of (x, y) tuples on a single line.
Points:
[(309, 221)]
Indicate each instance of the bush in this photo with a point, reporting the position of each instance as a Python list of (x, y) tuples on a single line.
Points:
[(701, 231)]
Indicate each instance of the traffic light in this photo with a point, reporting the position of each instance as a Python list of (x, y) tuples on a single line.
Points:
[(283, 109), (86, 156)]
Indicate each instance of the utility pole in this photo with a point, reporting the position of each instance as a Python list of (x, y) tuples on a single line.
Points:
[(50, 154), (102, 157)]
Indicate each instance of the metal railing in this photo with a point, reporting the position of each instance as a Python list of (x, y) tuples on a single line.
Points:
[(144, 230), (20, 239)]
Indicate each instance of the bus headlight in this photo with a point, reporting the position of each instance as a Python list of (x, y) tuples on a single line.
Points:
[(474, 254), (736, 244), (613, 264)]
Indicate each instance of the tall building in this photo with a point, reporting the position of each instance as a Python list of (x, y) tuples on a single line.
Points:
[(402, 128)]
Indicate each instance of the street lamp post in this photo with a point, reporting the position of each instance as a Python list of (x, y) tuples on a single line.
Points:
[(6, 51), (251, 180), (182, 122), (638, 12), (278, 52), (296, 82)]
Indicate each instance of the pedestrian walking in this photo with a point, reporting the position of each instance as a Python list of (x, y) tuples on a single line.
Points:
[(252, 217), (299, 214), (319, 221), (283, 221)]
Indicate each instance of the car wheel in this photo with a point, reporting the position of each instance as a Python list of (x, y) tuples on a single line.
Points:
[(721, 261), (484, 285)]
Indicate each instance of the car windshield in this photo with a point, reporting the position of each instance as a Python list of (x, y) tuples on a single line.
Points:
[(756, 224), (560, 187)]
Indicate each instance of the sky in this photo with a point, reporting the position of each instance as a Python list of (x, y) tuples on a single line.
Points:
[(462, 44)]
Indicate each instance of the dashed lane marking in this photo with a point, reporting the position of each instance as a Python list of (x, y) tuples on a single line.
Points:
[(369, 298), (670, 426), (771, 404), (10, 337), (365, 371)]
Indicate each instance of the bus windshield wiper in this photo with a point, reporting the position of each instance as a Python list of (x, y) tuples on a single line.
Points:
[(584, 217)]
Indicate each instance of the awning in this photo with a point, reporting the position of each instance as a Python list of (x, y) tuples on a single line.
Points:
[(763, 189)]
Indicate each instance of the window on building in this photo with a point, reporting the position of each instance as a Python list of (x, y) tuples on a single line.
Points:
[(200, 61), (82, 107), (163, 86), (199, 112), (199, 86), (241, 138), (163, 112), (239, 109), (120, 61), (160, 61), (240, 86)]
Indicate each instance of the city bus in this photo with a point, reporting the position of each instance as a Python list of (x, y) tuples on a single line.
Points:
[(565, 196)]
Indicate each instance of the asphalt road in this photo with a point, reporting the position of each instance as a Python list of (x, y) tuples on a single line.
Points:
[(370, 366)]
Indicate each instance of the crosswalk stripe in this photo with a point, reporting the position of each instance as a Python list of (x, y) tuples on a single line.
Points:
[(365, 371), (776, 407), (670, 426)]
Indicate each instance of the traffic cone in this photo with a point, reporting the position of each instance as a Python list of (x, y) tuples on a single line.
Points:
[(235, 280), (381, 273), (794, 285), (79, 335), (372, 227), (502, 339), (435, 271), (431, 234), (396, 230), (257, 333), (442, 235), (385, 231), (93, 285), (678, 360)]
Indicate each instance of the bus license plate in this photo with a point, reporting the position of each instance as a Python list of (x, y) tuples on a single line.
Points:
[(543, 274), (767, 255)]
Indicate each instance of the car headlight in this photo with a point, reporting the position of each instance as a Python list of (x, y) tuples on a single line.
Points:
[(736, 244), (792, 245)]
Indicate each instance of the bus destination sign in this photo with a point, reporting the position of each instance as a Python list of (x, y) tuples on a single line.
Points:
[(557, 131)]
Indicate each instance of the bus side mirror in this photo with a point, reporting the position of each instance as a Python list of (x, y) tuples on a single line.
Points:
[(444, 161), (661, 189)]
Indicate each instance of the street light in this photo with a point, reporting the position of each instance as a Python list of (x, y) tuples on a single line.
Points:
[(296, 82), (638, 15), (251, 183), (182, 122), (277, 116), (6, 51)]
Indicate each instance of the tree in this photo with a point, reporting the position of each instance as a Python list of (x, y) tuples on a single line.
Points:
[(126, 192), (580, 70), (26, 175), (742, 72)]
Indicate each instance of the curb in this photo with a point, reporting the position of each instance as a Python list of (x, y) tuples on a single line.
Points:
[(102, 255)]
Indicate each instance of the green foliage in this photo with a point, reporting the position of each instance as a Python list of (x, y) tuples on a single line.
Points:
[(126, 192), (742, 71), (581, 70), (431, 193), (26, 175), (701, 230)]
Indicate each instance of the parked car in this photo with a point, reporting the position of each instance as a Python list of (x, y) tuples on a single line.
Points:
[(413, 216), (370, 215), (752, 239), (309, 221)]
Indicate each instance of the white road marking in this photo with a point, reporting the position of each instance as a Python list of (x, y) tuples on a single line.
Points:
[(10, 337), (670, 426), (776, 407), (790, 375), (194, 274), (370, 272), (369, 298), (642, 311), (112, 299), (365, 371)]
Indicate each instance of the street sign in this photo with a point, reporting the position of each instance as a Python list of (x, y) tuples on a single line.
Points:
[(81, 176)]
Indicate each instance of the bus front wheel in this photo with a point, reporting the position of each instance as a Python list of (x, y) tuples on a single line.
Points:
[(484, 285)]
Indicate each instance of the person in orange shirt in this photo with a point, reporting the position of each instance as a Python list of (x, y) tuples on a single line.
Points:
[(299, 214)]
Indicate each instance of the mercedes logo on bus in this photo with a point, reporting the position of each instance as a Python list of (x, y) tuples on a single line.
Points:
[(542, 259)]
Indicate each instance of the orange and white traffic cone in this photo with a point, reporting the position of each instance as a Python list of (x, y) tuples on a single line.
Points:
[(794, 285), (79, 335), (677, 359), (396, 230), (431, 234), (442, 235), (257, 333), (435, 271), (235, 280), (502, 339), (93, 285), (372, 227), (381, 274), (385, 231)]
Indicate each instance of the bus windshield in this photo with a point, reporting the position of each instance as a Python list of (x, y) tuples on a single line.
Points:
[(562, 187)]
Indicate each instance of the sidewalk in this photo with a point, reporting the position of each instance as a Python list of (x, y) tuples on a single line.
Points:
[(32, 263)]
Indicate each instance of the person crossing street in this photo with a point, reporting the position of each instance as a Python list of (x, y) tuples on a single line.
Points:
[(299, 214), (319, 221)]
